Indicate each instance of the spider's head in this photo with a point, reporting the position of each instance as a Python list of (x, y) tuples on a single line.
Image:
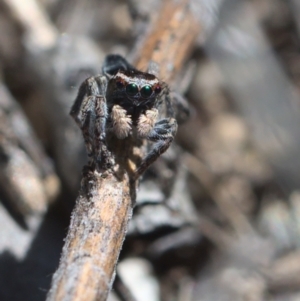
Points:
[(134, 87)]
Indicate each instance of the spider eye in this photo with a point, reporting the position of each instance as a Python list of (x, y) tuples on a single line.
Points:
[(132, 89), (157, 89), (146, 91), (119, 84)]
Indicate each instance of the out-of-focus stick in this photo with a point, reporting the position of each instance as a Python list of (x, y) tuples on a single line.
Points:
[(40, 34), (170, 39)]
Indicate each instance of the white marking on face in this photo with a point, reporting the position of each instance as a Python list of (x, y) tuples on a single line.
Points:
[(136, 80)]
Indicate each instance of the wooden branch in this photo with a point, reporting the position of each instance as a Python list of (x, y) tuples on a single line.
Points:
[(170, 40), (96, 234), (98, 228)]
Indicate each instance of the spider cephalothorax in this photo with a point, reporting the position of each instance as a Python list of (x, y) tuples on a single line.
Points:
[(124, 100)]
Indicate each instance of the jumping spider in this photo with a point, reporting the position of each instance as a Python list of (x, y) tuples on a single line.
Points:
[(126, 101)]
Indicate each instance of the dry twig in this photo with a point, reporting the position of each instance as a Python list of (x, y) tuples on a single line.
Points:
[(171, 39)]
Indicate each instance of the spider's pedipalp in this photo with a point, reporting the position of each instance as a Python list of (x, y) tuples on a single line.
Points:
[(163, 133), (146, 123), (121, 122)]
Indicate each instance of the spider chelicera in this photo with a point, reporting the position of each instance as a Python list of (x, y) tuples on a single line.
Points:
[(127, 102)]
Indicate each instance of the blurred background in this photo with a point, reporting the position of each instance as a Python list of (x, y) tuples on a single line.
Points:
[(218, 216)]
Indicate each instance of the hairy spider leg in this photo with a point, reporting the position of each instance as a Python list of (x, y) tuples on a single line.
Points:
[(101, 153), (163, 133), (81, 112), (90, 113), (86, 127)]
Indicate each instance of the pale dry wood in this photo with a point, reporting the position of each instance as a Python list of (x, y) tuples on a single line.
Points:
[(170, 39), (96, 234), (98, 228)]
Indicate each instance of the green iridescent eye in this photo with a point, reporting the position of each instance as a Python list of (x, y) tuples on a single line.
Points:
[(146, 91), (132, 89)]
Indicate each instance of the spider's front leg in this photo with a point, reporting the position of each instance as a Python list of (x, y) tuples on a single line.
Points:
[(163, 134), (90, 113)]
